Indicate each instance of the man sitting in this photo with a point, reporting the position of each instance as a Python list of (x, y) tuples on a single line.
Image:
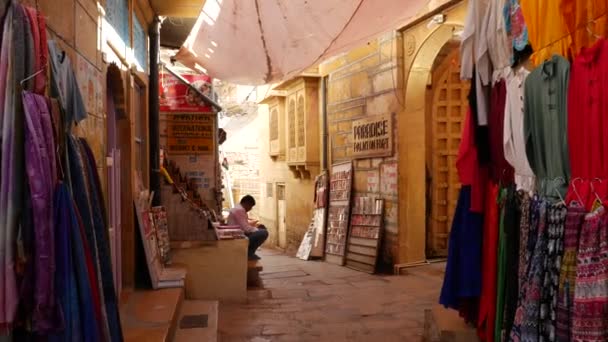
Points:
[(255, 232)]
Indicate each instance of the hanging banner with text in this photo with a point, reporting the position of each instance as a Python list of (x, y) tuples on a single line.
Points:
[(373, 137), (190, 134)]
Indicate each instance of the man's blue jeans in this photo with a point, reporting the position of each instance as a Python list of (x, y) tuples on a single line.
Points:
[(256, 239)]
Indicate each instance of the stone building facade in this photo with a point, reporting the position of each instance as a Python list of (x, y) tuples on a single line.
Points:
[(407, 75)]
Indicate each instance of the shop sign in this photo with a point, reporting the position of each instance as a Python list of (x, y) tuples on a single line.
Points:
[(190, 134), (178, 97), (373, 137)]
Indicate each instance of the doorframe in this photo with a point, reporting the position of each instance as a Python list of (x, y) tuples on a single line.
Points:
[(278, 216), (419, 52)]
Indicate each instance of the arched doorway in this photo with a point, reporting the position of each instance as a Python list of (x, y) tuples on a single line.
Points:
[(115, 105), (423, 49), (446, 108)]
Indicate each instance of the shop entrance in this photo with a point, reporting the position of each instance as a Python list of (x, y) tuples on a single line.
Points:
[(281, 211), (113, 99), (446, 108)]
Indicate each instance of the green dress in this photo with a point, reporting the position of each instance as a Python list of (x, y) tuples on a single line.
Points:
[(545, 124)]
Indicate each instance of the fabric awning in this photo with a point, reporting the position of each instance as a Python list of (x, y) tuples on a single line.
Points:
[(263, 41)]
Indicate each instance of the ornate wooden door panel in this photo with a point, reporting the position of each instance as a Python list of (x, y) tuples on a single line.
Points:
[(449, 106)]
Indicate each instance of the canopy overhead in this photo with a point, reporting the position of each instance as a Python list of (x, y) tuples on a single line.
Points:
[(264, 41)]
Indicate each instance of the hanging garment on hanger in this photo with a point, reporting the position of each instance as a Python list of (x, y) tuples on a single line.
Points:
[(514, 141), (567, 276), (589, 321), (500, 46), (478, 108), (501, 265), (475, 58), (547, 31), (500, 170), (38, 28), (588, 112), (513, 217), (579, 14), (462, 279), (65, 273), (487, 301), (467, 164), (545, 122), (40, 157), (12, 164), (518, 31), (65, 87), (102, 240), (556, 220), (526, 326)]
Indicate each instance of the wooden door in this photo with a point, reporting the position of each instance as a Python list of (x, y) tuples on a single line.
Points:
[(281, 213), (114, 198), (448, 109)]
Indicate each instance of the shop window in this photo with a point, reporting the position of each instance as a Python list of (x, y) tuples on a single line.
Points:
[(274, 124), (291, 113), (140, 44), (117, 15), (300, 116)]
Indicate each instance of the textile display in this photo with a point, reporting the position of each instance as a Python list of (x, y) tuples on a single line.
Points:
[(544, 129), (57, 282)]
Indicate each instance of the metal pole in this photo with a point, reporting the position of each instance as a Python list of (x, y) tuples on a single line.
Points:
[(154, 108)]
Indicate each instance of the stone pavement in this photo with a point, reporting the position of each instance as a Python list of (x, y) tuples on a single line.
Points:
[(317, 301)]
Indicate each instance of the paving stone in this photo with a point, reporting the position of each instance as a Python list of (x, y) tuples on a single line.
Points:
[(316, 301)]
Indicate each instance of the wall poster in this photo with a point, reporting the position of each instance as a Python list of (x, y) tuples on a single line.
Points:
[(373, 137), (340, 187), (389, 179)]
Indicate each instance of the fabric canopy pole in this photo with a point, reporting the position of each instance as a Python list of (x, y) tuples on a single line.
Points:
[(264, 41)]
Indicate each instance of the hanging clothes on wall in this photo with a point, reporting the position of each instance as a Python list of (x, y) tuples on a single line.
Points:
[(514, 141), (56, 282), (462, 282), (487, 301), (12, 180), (547, 37), (545, 122)]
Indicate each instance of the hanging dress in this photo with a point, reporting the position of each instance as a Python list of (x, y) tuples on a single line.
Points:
[(567, 275), (590, 318)]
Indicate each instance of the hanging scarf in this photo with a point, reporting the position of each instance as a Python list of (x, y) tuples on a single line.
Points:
[(12, 181)]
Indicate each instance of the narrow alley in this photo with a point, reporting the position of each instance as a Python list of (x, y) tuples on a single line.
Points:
[(318, 301)]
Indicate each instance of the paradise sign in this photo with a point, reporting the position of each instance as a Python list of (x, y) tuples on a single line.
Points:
[(373, 137)]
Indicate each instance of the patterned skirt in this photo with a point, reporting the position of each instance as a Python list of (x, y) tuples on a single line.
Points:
[(590, 316), (567, 278), (526, 327), (556, 219)]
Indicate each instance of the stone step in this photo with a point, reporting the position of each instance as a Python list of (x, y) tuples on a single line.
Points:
[(254, 267), (198, 321), (150, 315), (443, 325)]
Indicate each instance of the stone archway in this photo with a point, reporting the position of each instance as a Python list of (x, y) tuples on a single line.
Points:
[(412, 137)]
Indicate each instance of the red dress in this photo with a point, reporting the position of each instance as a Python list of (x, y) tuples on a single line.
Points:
[(467, 163), (489, 251), (588, 122)]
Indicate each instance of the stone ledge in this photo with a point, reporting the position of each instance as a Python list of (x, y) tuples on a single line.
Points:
[(150, 315)]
